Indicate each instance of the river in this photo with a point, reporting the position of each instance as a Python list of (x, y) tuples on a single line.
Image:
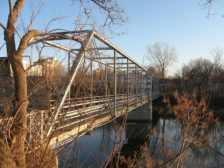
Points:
[(140, 144)]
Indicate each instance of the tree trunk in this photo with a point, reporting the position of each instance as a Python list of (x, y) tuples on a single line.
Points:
[(18, 129), (20, 111), (6, 160)]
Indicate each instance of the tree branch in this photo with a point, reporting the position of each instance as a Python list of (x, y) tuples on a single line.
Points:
[(2, 26), (10, 6), (114, 14), (25, 41), (14, 13)]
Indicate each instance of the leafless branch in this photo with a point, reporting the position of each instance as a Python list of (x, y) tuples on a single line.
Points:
[(35, 13), (52, 21), (207, 4), (2, 26), (25, 41), (16, 11), (10, 6), (114, 14)]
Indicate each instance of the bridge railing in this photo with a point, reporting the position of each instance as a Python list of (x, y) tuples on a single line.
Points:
[(86, 110)]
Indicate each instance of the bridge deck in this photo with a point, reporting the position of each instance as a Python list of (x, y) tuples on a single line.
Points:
[(86, 115)]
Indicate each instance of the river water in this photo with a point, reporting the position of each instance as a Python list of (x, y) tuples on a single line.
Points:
[(145, 144)]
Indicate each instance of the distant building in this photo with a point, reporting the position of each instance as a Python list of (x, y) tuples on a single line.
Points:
[(46, 67)]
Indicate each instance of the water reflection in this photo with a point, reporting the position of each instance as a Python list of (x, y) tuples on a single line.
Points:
[(171, 148), (92, 150), (137, 134), (146, 145)]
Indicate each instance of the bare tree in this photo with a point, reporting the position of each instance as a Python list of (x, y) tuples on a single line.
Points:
[(161, 56), (152, 70), (207, 3), (15, 56), (199, 73), (217, 70), (209, 6)]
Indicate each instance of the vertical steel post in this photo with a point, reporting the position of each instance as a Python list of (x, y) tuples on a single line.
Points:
[(142, 83), (151, 83), (91, 82), (106, 82), (69, 61), (106, 88), (127, 85), (136, 95), (150, 89), (115, 83)]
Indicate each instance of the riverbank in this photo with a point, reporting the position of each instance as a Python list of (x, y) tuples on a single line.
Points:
[(161, 109)]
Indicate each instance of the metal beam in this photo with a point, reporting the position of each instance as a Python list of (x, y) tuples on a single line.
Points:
[(90, 49), (120, 63), (91, 85), (135, 84), (90, 58), (115, 83), (108, 58), (133, 66), (103, 40), (60, 35), (79, 33), (127, 85)]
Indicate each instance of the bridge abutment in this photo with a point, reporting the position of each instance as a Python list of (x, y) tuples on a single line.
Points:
[(142, 113)]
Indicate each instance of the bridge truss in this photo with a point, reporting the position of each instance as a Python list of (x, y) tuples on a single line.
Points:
[(100, 83)]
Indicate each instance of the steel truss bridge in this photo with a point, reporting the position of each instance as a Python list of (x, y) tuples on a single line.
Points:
[(100, 83)]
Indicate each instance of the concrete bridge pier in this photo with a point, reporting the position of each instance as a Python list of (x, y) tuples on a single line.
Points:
[(141, 114)]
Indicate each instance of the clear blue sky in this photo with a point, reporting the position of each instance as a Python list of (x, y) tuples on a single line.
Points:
[(181, 23)]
